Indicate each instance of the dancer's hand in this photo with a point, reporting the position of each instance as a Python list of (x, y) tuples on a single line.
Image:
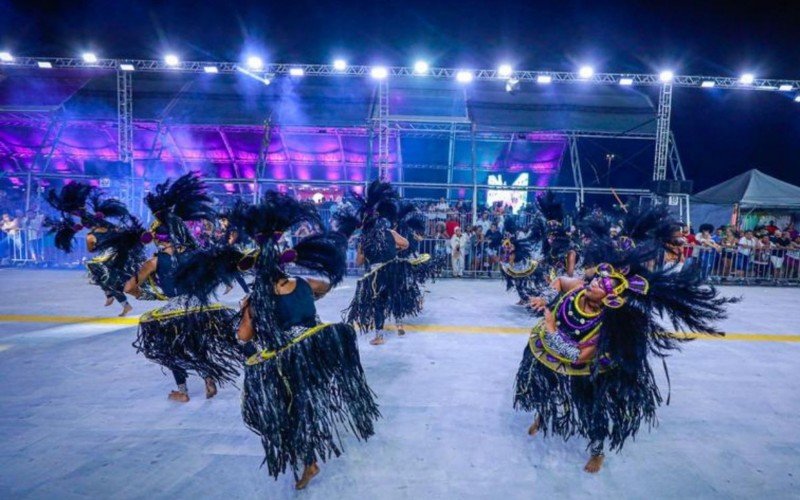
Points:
[(538, 304), (549, 321)]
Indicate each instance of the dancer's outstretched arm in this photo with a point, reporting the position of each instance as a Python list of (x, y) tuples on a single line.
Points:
[(399, 241)]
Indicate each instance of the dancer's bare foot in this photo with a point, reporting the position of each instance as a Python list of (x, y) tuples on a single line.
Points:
[(125, 310), (109, 301), (378, 340), (211, 388), (178, 397), (308, 474), (594, 464), (228, 289), (401, 331), (534, 428)]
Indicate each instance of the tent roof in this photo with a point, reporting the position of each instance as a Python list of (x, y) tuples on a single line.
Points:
[(752, 189)]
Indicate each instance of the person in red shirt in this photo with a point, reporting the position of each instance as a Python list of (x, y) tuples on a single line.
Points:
[(691, 241), (771, 227), (451, 225)]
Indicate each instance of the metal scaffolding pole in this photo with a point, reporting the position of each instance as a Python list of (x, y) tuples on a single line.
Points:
[(575, 163), (125, 123), (451, 159), (383, 129), (473, 160), (400, 174), (263, 154), (662, 132), (675, 159)]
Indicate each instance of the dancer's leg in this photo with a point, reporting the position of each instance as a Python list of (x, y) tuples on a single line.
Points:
[(182, 394)]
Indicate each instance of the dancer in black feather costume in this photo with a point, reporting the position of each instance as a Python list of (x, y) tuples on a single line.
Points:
[(186, 334), (520, 270), (411, 226), (389, 287), (110, 269), (586, 369), (305, 383)]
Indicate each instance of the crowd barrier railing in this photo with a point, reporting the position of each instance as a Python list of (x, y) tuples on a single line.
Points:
[(741, 265)]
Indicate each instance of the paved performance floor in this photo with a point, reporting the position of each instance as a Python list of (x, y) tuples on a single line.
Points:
[(83, 416)]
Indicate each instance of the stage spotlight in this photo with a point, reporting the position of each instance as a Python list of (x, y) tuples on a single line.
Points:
[(544, 79), (296, 71), (785, 87), (340, 65), (90, 58), (626, 81), (379, 72), (747, 79), (464, 76), (666, 76), (6, 57), (504, 71), (44, 64), (512, 85), (707, 84), (211, 69), (797, 98), (586, 72), (171, 60), (421, 67), (255, 62), (126, 67)]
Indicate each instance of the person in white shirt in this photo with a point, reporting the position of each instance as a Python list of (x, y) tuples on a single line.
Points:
[(484, 223), (458, 244), (747, 244)]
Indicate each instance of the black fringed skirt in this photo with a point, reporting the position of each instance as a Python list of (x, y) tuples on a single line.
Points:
[(185, 334), (388, 290), (102, 274), (600, 404), (299, 399)]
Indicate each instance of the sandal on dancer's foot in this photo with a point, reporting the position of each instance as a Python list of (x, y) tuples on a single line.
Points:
[(378, 340), (308, 474), (125, 310), (109, 301), (594, 464), (178, 397), (211, 388)]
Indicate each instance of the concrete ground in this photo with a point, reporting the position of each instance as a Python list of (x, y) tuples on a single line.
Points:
[(83, 416)]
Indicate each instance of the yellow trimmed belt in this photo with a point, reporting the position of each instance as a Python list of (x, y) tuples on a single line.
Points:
[(266, 354)]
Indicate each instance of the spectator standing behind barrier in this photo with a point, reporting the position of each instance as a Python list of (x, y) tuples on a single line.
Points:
[(747, 245), (707, 251), (780, 245), (10, 228), (458, 243), (451, 225), (484, 223), (493, 241), (479, 253)]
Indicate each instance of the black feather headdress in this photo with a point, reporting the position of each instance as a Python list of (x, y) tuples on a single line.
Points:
[(550, 207), (174, 203)]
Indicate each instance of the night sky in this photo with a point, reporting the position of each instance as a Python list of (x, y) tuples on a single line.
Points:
[(719, 133)]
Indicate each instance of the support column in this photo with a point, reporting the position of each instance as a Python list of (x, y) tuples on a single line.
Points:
[(451, 159), (125, 123), (575, 163), (383, 129), (662, 132), (473, 161)]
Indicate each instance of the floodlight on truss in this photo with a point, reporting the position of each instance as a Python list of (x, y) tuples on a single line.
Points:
[(747, 79), (785, 87), (296, 72), (172, 60), (89, 57), (44, 64), (127, 67), (626, 81), (464, 76), (504, 71), (379, 72), (6, 56), (666, 76), (544, 79), (421, 67), (586, 72), (340, 65), (255, 63), (707, 84), (211, 69)]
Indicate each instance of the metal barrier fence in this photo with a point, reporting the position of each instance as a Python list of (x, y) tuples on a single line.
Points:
[(746, 265), (731, 265)]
